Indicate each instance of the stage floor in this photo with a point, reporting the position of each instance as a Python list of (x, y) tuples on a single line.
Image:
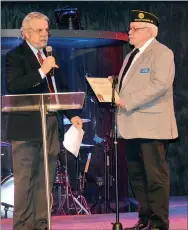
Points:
[(178, 219)]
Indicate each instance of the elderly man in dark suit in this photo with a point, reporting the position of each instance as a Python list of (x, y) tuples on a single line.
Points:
[(27, 72), (146, 118)]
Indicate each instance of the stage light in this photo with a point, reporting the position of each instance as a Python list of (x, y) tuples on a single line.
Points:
[(68, 18)]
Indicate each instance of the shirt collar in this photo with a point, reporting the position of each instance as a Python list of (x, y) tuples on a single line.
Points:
[(35, 51), (141, 49)]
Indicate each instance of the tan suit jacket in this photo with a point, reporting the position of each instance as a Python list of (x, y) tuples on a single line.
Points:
[(147, 93)]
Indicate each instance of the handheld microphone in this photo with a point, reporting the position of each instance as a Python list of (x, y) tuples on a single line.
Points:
[(49, 53)]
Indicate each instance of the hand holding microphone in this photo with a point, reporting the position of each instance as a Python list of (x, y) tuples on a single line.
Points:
[(49, 62)]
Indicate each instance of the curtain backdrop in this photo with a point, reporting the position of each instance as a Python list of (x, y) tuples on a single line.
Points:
[(114, 16)]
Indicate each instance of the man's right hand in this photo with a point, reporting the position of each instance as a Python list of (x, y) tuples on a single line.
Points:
[(48, 64)]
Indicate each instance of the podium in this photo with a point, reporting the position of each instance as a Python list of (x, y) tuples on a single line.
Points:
[(43, 103)]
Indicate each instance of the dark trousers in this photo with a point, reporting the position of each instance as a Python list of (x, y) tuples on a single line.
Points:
[(30, 206), (149, 178)]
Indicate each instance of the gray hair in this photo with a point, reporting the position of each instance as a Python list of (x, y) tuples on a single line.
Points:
[(26, 21), (154, 29)]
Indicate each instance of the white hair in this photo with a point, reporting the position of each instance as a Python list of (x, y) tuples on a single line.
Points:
[(26, 21), (154, 29)]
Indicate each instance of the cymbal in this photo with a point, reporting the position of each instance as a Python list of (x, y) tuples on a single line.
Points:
[(5, 144), (66, 121), (86, 145)]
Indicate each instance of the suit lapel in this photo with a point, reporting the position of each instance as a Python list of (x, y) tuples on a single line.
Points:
[(134, 67), (32, 59), (30, 56), (138, 62)]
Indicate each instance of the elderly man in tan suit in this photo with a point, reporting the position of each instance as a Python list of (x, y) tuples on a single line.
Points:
[(146, 119)]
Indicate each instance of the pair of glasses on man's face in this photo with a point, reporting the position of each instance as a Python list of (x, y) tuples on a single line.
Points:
[(40, 32), (134, 30)]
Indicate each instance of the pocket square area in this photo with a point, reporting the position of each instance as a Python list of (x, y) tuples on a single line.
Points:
[(145, 70)]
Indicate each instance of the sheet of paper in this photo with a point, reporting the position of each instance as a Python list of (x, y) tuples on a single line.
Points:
[(73, 139), (102, 88)]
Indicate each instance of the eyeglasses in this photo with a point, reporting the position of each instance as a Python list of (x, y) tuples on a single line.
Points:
[(41, 31), (135, 29)]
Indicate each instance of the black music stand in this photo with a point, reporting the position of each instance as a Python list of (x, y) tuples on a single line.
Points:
[(104, 203), (103, 97)]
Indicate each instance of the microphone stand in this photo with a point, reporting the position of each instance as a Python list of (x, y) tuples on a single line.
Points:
[(117, 225), (6, 208)]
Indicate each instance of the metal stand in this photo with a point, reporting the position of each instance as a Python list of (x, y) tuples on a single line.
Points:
[(43, 111), (57, 187), (117, 225), (77, 203), (6, 208), (100, 202), (107, 177), (103, 202), (83, 208), (66, 197)]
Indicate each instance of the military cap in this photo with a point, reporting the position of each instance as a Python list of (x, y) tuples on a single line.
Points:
[(143, 16)]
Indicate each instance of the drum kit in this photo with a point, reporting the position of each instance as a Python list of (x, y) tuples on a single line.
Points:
[(67, 202), (70, 202)]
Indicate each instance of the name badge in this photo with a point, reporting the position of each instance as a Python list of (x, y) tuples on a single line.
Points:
[(145, 70)]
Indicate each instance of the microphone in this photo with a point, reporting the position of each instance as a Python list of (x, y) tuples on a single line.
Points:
[(49, 53), (49, 50)]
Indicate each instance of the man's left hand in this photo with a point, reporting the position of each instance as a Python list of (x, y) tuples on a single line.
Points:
[(120, 103), (77, 122)]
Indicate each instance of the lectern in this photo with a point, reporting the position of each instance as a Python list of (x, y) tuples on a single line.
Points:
[(43, 103)]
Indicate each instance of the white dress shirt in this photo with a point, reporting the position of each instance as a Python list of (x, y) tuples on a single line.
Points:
[(35, 51), (141, 50)]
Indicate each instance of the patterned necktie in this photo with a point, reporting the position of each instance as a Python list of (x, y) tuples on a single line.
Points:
[(50, 84), (127, 66)]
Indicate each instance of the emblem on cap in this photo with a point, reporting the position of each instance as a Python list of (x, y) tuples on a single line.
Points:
[(140, 15)]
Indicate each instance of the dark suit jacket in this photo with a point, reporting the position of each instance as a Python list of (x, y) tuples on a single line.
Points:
[(22, 77)]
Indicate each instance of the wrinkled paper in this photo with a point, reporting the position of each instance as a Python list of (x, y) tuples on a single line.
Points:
[(73, 139)]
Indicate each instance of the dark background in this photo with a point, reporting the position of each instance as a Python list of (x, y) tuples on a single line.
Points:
[(114, 16)]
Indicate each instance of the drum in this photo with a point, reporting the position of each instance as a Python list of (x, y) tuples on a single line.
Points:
[(7, 196), (6, 159)]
